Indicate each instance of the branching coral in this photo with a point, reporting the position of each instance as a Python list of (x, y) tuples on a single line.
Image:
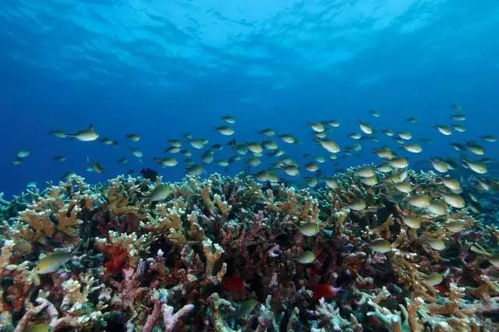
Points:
[(168, 222), (212, 252), (123, 195), (223, 254), (161, 309), (17, 281), (50, 219), (330, 319)]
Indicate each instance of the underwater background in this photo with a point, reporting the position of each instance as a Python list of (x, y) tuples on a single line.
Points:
[(165, 68), (249, 165)]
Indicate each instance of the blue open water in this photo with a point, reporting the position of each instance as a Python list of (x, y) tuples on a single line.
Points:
[(165, 68)]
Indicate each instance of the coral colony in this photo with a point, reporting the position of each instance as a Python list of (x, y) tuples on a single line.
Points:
[(232, 254)]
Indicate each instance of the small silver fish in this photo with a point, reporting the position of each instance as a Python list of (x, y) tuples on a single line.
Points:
[(309, 229), (160, 193), (330, 146), (413, 222), (434, 279), (357, 205), (381, 245), (306, 257), (85, 135), (133, 137)]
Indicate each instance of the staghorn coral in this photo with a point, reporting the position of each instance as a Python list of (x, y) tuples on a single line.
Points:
[(49, 215), (53, 218), (17, 282), (212, 252), (123, 196), (330, 319), (118, 244), (166, 221), (219, 254)]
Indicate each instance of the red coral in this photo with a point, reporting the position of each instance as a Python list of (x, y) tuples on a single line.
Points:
[(325, 290), (117, 260), (234, 283), (5, 305)]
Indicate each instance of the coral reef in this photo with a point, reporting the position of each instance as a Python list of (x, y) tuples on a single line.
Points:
[(225, 254)]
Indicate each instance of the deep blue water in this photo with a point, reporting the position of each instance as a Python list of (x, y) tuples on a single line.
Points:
[(164, 68)]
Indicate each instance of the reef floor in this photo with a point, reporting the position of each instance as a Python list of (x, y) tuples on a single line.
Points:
[(232, 254)]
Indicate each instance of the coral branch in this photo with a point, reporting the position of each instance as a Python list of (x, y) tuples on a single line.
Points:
[(170, 319)]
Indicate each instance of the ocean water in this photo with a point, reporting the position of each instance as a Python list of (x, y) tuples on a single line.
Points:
[(343, 245), (165, 68)]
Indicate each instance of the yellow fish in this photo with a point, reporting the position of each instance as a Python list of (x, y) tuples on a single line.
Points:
[(413, 222), (381, 245), (160, 193), (309, 229), (85, 135), (43, 327), (330, 146), (52, 262), (306, 257), (434, 279)]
